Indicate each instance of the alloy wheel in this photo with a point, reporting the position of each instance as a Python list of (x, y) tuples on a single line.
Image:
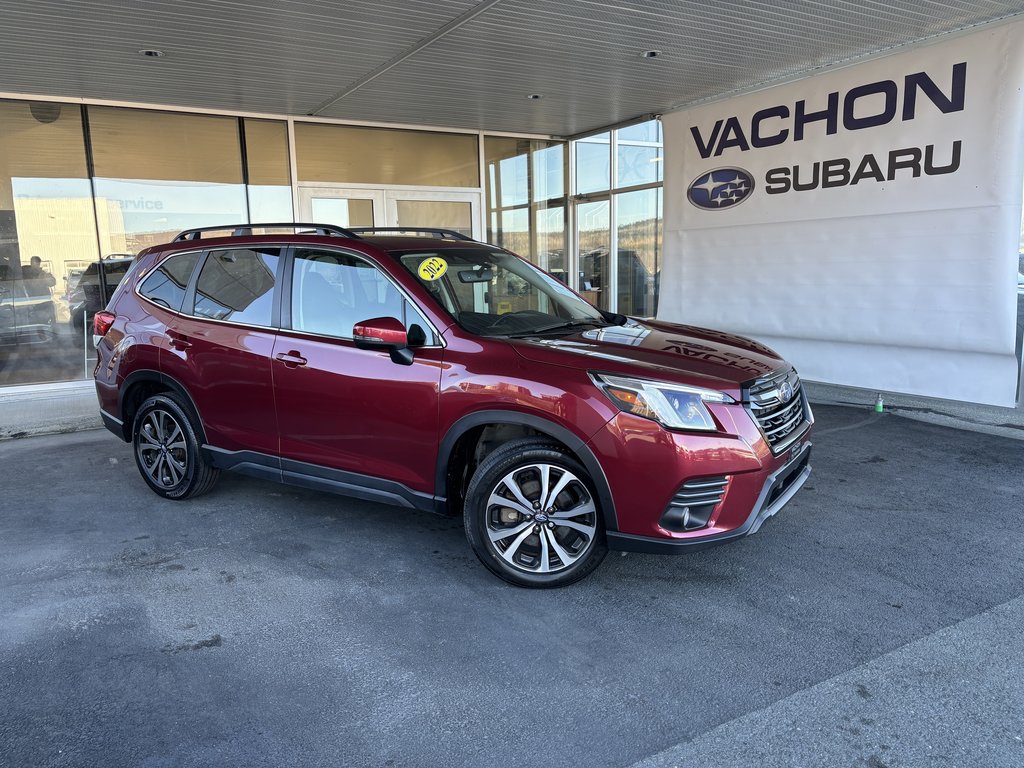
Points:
[(541, 518), (161, 448)]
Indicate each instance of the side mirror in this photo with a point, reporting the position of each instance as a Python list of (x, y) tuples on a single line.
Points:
[(384, 333)]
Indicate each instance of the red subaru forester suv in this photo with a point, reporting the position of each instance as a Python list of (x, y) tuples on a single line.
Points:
[(431, 371)]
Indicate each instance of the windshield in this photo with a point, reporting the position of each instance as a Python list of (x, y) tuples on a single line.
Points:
[(493, 293)]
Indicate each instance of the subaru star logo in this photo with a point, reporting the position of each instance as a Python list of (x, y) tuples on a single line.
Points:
[(720, 188), (786, 391)]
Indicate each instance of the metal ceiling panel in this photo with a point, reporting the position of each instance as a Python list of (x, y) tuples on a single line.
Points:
[(454, 63), (282, 56), (584, 57)]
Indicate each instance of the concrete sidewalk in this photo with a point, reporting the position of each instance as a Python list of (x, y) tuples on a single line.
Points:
[(952, 699)]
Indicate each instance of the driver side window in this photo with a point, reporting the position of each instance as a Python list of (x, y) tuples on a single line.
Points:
[(332, 291)]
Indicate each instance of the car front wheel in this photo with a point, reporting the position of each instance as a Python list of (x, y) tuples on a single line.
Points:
[(532, 516)]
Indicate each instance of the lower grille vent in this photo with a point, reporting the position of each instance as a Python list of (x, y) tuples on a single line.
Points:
[(693, 504)]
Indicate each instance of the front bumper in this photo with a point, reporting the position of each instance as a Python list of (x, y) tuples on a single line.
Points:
[(779, 487)]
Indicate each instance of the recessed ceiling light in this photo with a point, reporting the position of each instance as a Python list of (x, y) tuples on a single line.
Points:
[(151, 53), (650, 54), (534, 96)]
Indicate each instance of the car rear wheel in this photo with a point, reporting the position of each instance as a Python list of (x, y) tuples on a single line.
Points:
[(167, 449), (532, 516)]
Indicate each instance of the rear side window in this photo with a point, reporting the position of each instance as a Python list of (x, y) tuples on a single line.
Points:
[(166, 284), (238, 285)]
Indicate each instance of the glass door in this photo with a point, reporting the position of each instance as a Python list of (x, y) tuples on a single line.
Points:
[(459, 211), (355, 207), (342, 206)]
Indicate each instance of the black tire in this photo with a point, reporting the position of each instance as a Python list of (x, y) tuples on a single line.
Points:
[(171, 464), (541, 536)]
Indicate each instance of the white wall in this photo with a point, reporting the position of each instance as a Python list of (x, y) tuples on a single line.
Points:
[(905, 285)]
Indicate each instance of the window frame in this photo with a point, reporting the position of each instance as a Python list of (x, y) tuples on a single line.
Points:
[(558, 286), (145, 277), (281, 315), (188, 307), (285, 303)]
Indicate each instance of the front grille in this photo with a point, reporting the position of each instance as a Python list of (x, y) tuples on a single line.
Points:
[(782, 419), (693, 504)]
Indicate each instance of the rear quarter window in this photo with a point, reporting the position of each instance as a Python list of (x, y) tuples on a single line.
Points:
[(167, 283)]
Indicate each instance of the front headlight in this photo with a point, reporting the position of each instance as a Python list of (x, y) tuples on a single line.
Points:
[(674, 405)]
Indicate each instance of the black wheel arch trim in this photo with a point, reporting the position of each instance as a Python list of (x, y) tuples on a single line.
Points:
[(570, 439), (149, 375)]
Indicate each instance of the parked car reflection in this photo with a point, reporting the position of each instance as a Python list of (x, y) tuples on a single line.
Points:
[(95, 287), (27, 315)]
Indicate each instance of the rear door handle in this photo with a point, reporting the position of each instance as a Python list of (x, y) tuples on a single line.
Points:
[(291, 359), (178, 341)]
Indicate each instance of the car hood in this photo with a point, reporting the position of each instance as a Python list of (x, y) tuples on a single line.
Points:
[(680, 353)]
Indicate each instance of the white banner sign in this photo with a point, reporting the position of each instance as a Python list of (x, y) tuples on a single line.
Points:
[(864, 222)]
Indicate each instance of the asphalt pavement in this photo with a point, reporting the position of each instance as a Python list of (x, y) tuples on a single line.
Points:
[(875, 622)]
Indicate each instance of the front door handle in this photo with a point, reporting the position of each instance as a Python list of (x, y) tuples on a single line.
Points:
[(291, 359)]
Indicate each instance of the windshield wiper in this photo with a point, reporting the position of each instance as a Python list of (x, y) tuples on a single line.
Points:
[(568, 325)]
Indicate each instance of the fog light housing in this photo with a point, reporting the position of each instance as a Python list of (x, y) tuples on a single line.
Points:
[(694, 504)]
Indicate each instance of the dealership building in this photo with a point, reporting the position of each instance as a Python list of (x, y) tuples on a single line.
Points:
[(841, 182)]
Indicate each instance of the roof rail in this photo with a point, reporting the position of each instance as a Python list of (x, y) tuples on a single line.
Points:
[(449, 233), (245, 230)]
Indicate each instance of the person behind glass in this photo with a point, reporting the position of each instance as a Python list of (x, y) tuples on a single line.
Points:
[(38, 281)]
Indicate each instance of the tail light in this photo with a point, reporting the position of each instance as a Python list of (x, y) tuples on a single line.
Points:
[(101, 323)]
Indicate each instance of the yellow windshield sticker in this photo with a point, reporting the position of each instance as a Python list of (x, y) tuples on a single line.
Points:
[(433, 268)]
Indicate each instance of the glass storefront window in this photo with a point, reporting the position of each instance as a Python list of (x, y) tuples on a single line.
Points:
[(594, 248), (526, 183), (551, 249), (593, 164), (638, 240), (47, 242), (158, 173), (549, 166), (515, 232), (513, 181), (648, 133), (270, 182), (638, 154), (637, 165), (619, 220), (155, 173), (346, 154)]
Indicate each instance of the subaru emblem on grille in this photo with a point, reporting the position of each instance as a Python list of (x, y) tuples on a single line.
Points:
[(786, 391)]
